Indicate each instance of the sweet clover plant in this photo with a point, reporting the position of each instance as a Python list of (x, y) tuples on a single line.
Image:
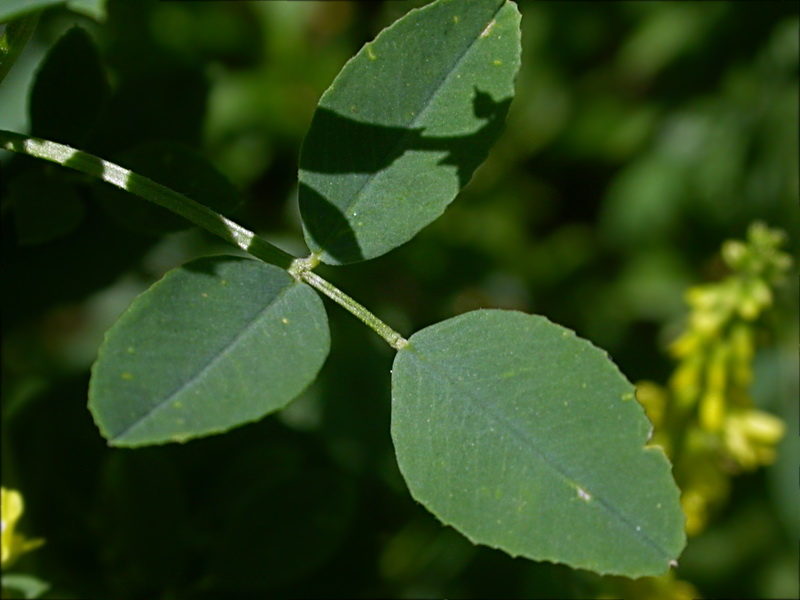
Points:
[(506, 426)]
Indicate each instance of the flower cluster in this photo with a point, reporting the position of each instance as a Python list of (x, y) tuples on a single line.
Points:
[(705, 419), (13, 543)]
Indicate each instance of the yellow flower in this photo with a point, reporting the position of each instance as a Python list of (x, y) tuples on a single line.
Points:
[(706, 412), (742, 349), (704, 485), (13, 544), (685, 381), (750, 436)]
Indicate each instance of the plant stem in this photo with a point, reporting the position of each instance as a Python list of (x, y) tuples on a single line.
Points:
[(149, 190), (394, 339), (299, 268)]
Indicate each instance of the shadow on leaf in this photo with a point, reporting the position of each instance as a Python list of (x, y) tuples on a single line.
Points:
[(338, 145)]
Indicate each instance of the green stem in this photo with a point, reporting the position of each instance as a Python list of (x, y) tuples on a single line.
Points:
[(149, 190), (394, 339), (299, 268)]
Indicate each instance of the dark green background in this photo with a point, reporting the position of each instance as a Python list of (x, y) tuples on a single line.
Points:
[(642, 136)]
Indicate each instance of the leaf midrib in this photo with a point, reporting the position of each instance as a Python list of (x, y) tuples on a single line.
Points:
[(409, 128), (210, 364), (521, 436)]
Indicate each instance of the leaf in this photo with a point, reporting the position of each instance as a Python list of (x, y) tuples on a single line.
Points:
[(13, 9), (13, 40), (215, 344), (165, 104), (29, 586), (70, 90), (46, 206), (528, 439), (293, 517), (140, 527), (404, 125), (95, 9), (179, 167)]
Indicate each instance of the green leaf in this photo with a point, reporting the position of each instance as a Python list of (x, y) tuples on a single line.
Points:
[(179, 167), (404, 125), (215, 344), (528, 439), (70, 90), (46, 206), (130, 514), (29, 586), (13, 9), (96, 9), (293, 517), (13, 40)]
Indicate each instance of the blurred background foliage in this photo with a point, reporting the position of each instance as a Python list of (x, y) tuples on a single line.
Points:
[(643, 135)]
